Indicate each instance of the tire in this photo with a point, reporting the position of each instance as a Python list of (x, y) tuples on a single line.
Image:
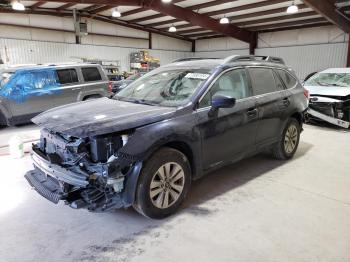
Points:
[(3, 122), (92, 97), (288, 145), (165, 161)]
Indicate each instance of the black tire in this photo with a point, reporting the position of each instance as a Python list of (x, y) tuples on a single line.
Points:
[(3, 122), (144, 204), (280, 150), (92, 97)]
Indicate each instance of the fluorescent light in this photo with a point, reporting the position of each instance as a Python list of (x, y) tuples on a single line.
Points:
[(116, 13), (172, 29), (166, 1), (18, 6), (224, 20), (292, 9)]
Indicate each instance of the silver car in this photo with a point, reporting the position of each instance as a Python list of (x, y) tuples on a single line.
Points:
[(27, 91)]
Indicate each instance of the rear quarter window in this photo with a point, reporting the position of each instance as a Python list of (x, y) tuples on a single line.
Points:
[(263, 80), (91, 74), (287, 78)]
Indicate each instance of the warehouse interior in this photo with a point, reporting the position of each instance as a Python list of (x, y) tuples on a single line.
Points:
[(257, 209)]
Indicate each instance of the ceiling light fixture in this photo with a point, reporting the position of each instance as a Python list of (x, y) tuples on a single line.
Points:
[(16, 5), (166, 1), (292, 9), (116, 13), (224, 20), (172, 29)]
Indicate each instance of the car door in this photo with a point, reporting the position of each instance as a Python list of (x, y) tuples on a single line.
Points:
[(34, 91), (268, 90), (290, 93), (230, 134), (70, 85), (95, 81)]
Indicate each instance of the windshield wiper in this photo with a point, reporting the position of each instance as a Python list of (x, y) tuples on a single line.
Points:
[(137, 101)]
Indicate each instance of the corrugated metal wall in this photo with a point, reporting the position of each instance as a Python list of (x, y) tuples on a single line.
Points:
[(306, 50), (27, 51), (310, 58), (222, 53)]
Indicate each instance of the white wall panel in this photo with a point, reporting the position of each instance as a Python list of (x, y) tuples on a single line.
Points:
[(310, 58), (306, 36), (169, 43), (222, 43), (223, 53), (28, 52)]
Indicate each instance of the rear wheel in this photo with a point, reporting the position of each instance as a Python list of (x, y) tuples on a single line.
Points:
[(163, 184), (288, 145)]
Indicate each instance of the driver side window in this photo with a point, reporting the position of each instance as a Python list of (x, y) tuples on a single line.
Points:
[(233, 83)]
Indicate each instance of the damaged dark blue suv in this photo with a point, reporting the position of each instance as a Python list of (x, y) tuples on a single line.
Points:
[(144, 147)]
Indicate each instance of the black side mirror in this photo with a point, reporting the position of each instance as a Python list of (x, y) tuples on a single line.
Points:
[(221, 101)]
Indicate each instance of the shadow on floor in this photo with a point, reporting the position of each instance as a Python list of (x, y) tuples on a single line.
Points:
[(228, 178), (234, 176), (209, 187)]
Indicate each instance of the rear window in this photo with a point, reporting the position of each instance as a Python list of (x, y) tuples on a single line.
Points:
[(67, 76), (91, 74), (288, 80), (263, 80)]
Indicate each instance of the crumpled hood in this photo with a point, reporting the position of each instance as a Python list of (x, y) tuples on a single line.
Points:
[(100, 116), (328, 90)]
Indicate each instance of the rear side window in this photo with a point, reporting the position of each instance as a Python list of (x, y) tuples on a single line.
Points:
[(91, 74), (67, 76), (263, 80), (288, 80)]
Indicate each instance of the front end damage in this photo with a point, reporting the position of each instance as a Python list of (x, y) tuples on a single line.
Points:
[(84, 172), (331, 109)]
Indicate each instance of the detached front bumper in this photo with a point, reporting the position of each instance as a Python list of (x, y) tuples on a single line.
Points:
[(329, 119)]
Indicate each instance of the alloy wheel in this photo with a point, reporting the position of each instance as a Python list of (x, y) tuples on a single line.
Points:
[(290, 139), (167, 185)]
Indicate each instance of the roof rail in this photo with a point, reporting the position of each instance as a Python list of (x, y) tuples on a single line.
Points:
[(191, 59), (237, 58)]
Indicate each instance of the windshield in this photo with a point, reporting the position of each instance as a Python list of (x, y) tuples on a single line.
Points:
[(169, 88), (4, 78), (329, 79)]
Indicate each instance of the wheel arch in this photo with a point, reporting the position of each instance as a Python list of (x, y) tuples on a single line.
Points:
[(299, 117)]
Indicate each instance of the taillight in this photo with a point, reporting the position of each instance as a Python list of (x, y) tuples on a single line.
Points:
[(306, 93), (110, 87)]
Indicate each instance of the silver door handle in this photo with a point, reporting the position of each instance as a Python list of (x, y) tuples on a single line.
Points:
[(78, 88)]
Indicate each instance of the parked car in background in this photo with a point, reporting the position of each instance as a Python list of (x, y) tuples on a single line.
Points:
[(144, 147), (121, 84), (28, 91), (330, 96)]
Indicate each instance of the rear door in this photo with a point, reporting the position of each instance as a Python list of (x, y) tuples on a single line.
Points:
[(291, 92), (268, 90), (95, 81), (70, 85)]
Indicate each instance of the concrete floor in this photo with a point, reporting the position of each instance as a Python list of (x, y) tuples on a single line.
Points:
[(257, 210)]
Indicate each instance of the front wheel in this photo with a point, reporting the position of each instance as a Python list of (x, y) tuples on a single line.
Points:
[(163, 184), (288, 145)]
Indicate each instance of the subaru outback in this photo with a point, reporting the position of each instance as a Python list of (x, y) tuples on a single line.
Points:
[(172, 126)]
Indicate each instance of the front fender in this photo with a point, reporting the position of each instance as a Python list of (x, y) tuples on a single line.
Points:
[(148, 139)]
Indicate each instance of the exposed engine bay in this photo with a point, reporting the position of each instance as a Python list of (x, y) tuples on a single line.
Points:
[(332, 109), (84, 172)]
